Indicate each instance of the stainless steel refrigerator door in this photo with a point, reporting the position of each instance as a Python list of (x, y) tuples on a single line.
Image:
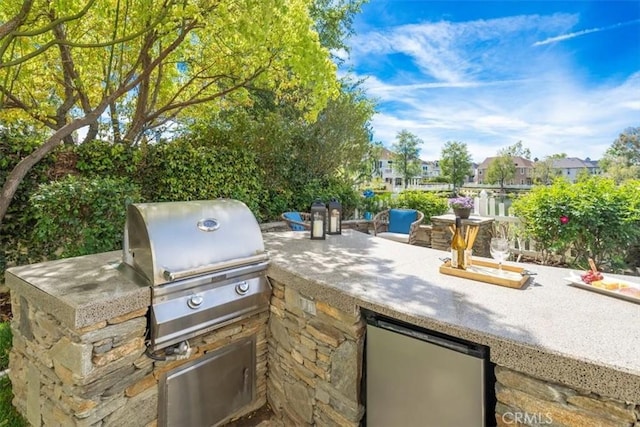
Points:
[(415, 383)]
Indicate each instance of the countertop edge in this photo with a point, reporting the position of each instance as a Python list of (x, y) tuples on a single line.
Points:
[(534, 361), (124, 297)]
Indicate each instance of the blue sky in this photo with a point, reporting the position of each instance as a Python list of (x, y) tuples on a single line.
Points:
[(560, 76)]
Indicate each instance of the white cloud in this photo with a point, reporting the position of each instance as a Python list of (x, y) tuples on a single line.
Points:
[(558, 118), (482, 83), (583, 32), (453, 52)]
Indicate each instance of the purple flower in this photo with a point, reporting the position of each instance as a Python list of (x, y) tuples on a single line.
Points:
[(564, 219), (461, 202)]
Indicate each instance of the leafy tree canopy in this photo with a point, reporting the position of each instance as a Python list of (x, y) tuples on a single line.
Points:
[(334, 21), (503, 169), (516, 150), (406, 152), (455, 162), (151, 65), (621, 161), (544, 171)]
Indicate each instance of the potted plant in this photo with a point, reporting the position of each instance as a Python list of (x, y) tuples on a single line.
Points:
[(461, 206)]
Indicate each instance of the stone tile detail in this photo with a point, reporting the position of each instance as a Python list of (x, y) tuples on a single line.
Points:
[(523, 400), (133, 315), (345, 376), (99, 375), (315, 361), (73, 356)]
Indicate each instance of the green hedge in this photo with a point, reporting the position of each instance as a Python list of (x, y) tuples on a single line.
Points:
[(428, 203), (325, 190), (185, 170), (79, 216), (105, 159), (594, 217), (15, 142)]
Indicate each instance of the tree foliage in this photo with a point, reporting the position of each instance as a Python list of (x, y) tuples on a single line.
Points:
[(501, 170), (543, 170), (79, 216), (289, 152), (334, 21), (150, 65), (428, 203), (621, 161), (406, 151), (594, 217), (455, 162), (517, 150)]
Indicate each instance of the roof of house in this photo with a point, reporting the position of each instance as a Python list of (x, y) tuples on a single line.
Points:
[(520, 162), (571, 163), (386, 154)]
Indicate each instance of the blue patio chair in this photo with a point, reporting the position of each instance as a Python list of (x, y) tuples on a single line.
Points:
[(400, 225), (297, 221)]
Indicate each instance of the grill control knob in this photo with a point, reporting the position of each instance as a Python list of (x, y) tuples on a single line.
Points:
[(242, 288), (195, 301)]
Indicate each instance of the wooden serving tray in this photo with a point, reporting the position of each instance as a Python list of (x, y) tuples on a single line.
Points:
[(487, 271)]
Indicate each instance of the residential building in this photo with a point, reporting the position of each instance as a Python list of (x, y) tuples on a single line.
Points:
[(571, 167), (523, 175), (430, 169), (393, 178)]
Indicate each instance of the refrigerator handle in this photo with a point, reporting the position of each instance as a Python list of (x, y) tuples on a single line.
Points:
[(442, 342)]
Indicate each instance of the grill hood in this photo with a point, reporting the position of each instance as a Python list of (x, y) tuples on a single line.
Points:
[(169, 241)]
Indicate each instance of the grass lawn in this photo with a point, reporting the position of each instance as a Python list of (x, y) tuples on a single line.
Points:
[(8, 415)]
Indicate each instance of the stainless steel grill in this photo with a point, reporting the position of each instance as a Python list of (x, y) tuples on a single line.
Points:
[(204, 262)]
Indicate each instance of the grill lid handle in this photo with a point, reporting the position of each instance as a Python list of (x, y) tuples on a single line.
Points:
[(176, 275)]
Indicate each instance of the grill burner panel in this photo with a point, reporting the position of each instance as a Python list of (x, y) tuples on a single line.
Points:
[(197, 311)]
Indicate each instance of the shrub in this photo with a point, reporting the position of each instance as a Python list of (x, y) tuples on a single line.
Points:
[(15, 143), (594, 217), (373, 202), (189, 170), (428, 203), (10, 417), (106, 159), (79, 216), (325, 189)]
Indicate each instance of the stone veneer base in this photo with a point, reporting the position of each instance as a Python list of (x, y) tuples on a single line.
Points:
[(99, 375)]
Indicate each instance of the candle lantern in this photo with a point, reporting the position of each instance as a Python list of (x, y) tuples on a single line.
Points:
[(318, 220), (335, 217)]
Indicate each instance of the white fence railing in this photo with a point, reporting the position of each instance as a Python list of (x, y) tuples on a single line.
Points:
[(508, 224), (490, 206)]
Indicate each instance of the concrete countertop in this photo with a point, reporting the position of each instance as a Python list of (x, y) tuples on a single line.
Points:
[(547, 329), (81, 291)]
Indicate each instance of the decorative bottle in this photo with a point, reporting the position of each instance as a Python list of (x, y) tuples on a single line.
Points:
[(458, 245)]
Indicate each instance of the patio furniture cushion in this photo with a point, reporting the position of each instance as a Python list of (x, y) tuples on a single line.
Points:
[(294, 216), (400, 220), (396, 237)]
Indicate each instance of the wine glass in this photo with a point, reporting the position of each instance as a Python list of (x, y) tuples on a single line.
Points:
[(499, 250)]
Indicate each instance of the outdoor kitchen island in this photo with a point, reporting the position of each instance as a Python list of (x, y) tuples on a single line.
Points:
[(563, 355)]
